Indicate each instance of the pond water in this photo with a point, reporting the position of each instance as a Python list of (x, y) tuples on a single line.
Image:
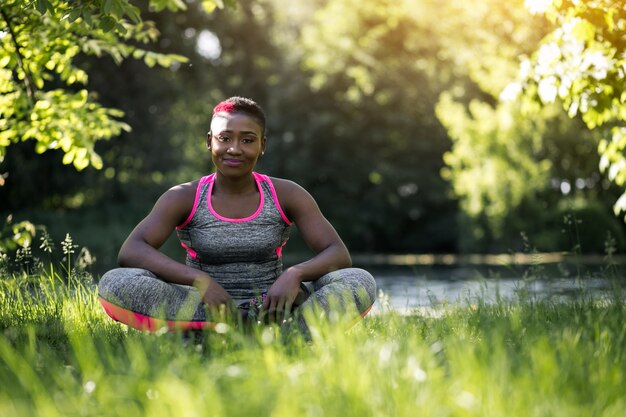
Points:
[(422, 288)]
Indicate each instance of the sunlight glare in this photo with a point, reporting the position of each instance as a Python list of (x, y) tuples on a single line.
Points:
[(598, 64), (208, 45), (511, 92), (547, 89), (537, 6)]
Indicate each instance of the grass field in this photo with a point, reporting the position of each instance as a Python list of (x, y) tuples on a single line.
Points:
[(61, 356)]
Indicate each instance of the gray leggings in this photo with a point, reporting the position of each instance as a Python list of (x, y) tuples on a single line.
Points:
[(142, 292)]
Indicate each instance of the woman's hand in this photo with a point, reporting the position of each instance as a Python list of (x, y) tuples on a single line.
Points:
[(281, 295), (213, 294)]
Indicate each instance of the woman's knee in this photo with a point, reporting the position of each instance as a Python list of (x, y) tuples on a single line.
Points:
[(114, 283), (360, 281), (365, 283)]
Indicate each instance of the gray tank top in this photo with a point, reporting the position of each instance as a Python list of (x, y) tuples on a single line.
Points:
[(242, 255)]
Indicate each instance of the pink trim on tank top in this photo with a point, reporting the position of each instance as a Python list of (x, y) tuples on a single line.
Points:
[(275, 198), (190, 251), (279, 250), (244, 219), (202, 181)]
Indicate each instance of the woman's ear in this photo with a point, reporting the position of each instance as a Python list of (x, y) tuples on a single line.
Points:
[(208, 140), (263, 142)]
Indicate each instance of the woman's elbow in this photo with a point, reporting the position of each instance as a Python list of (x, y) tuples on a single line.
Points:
[(346, 261), (122, 259), (124, 256)]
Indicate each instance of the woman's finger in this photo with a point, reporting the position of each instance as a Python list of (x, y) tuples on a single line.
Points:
[(287, 311), (272, 310), (281, 309)]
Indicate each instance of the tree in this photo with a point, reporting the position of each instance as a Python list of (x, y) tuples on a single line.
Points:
[(582, 64), (43, 77), (514, 170), (44, 95), (370, 146)]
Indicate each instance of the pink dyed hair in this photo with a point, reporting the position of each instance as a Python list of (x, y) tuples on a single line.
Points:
[(224, 106), (244, 105)]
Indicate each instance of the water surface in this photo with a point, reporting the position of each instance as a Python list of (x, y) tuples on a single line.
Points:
[(419, 288)]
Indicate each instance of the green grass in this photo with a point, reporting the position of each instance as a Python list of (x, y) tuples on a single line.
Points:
[(61, 356)]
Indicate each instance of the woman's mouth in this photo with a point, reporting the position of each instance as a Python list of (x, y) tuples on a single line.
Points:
[(233, 162)]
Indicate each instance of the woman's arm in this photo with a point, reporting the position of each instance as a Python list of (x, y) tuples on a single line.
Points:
[(141, 248), (317, 232)]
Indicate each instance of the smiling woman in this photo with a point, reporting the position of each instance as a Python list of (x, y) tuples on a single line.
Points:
[(235, 141), (233, 224)]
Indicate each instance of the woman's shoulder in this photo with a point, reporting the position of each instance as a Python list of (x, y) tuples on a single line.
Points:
[(184, 189), (181, 196), (284, 186), (289, 192)]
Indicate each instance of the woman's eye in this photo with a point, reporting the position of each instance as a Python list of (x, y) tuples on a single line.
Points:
[(248, 140), (223, 138)]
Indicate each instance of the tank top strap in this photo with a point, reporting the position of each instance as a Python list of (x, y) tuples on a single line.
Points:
[(268, 186), (201, 190)]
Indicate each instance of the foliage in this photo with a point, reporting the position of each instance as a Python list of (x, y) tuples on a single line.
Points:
[(496, 159), (317, 137), (28, 259), (513, 170), (372, 82), (44, 94), (61, 355), (582, 63), (350, 88), (14, 235)]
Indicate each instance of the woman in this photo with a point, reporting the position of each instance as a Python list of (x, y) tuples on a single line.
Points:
[(233, 225)]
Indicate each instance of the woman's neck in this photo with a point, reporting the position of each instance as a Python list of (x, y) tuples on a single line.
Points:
[(238, 185)]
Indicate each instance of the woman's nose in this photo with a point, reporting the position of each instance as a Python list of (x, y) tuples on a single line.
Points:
[(234, 147)]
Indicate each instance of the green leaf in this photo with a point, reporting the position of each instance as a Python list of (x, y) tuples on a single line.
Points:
[(95, 160), (74, 14), (87, 17), (169, 59), (42, 6), (209, 6), (150, 60), (50, 7), (106, 6), (133, 13), (120, 28), (158, 5), (92, 46), (4, 61), (608, 18), (68, 157), (583, 30), (107, 23)]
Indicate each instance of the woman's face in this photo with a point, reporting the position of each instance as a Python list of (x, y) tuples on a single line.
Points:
[(236, 141)]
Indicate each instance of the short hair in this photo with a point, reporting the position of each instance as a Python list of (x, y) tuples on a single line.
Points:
[(242, 105)]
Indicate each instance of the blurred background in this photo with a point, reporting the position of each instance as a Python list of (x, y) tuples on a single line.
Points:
[(388, 112)]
